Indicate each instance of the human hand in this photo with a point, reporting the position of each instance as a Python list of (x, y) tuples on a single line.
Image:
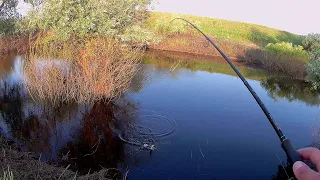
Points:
[(304, 172)]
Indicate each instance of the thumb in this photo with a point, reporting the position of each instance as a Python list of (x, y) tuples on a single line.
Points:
[(303, 172)]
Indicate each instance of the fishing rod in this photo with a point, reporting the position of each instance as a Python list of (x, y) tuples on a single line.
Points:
[(286, 145)]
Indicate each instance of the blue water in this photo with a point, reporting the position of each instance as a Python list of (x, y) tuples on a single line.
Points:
[(221, 132)]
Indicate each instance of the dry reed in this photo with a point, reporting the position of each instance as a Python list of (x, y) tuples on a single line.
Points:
[(13, 45), (101, 69), (287, 65)]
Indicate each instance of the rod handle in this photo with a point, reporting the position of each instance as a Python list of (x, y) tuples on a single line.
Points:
[(292, 155)]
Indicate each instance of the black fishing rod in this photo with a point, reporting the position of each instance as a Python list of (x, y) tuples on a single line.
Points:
[(291, 153)]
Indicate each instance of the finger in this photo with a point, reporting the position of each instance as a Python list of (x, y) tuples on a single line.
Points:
[(303, 172), (312, 154)]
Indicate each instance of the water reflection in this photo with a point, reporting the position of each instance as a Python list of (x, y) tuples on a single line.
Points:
[(291, 89), (80, 135), (87, 136), (6, 65)]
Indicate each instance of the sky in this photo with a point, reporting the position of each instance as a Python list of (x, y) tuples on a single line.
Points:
[(297, 16)]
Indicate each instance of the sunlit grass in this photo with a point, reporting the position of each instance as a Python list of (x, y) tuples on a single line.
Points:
[(221, 29)]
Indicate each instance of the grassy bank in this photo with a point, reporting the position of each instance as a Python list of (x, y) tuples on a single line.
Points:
[(238, 32), (272, 49)]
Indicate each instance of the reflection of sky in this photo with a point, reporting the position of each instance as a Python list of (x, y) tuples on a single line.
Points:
[(15, 76), (4, 128), (61, 130)]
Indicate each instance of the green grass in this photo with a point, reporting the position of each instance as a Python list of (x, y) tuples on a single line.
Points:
[(239, 32), (289, 50)]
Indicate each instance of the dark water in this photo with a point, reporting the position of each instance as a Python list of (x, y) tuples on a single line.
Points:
[(198, 114)]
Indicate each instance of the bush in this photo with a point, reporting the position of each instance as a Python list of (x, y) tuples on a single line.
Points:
[(82, 19), (8, 18), (312, 44), (287, 49), (313, 70), (103, 69), (290, 66)]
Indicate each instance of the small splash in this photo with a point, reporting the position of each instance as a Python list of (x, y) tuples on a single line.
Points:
[(146, 128)]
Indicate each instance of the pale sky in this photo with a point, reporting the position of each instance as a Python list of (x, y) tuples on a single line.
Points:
[(297, 16)]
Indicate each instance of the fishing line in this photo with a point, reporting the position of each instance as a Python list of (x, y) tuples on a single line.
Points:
[(291, 153)]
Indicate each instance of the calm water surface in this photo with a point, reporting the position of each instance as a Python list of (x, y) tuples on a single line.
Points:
[(218, 130)]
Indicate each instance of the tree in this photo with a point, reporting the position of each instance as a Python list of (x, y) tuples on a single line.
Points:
[(83, 18), (8, 16), (312, 44)]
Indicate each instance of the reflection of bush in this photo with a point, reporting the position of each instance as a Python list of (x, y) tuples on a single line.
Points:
[(291, 90), (103, 68)]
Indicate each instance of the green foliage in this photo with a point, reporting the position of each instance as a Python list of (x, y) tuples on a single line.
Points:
[(287, 49), (313, 70), (221, 29), (8, 17), (84, 18), (312, 44)]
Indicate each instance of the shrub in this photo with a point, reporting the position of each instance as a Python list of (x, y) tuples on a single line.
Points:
[(82, 19), (287, 49), (8, 18), (313, 70), (102, 69), (290, 66), (311, 43)]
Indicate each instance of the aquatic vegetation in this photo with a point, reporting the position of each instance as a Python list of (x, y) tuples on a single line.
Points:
[(102, 69)]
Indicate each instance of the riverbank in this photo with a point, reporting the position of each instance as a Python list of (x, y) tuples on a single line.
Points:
[(255, 45), (241, 54), (17, 164)]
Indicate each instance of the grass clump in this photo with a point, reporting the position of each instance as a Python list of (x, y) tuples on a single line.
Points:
[(101, 69), (7, 175)]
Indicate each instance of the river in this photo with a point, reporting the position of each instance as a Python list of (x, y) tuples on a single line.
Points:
[(201, 119)]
